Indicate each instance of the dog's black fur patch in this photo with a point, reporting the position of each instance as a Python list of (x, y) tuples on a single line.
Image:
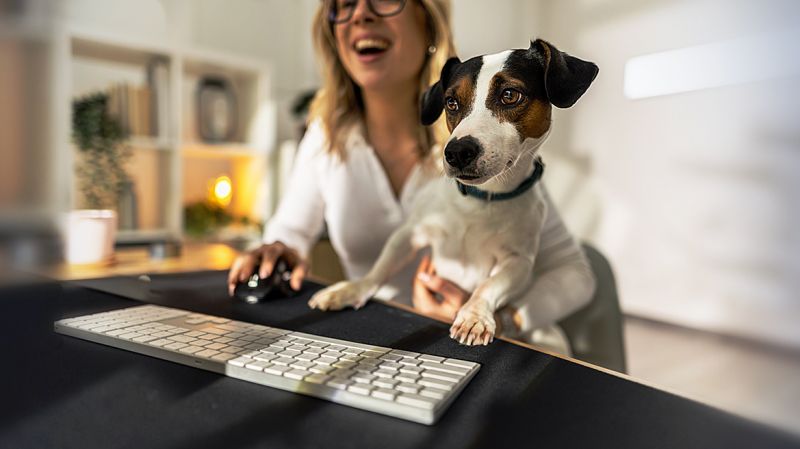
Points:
[(433, 98), (566, 77)]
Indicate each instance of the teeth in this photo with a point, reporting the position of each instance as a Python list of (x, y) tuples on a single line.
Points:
[(380, 44)]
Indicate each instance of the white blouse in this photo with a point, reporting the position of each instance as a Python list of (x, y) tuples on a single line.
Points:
[(355, 198)]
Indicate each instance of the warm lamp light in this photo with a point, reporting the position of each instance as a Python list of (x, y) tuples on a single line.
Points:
[(221, 191)]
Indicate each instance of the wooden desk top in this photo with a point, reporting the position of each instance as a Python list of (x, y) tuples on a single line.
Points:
[(130, 261)]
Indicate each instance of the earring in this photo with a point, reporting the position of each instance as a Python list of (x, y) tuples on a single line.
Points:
[(431, 49)]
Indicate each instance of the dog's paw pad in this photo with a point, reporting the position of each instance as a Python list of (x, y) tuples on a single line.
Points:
[(473, 328)]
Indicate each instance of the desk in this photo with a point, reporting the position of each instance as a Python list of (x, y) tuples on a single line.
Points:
[(69, 393)]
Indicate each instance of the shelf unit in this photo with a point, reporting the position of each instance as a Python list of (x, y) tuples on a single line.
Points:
[(174, 167)]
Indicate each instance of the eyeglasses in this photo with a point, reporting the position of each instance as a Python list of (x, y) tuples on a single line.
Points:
[(341, 11)]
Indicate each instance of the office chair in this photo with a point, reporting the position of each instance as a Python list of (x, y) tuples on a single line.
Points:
[(595, 331)]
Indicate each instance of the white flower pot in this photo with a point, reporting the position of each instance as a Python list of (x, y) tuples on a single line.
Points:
[(89, 236)]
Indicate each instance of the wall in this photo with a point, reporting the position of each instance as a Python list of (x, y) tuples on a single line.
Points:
[(698, 190)]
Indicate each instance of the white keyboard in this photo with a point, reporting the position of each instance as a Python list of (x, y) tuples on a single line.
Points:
[(408, 385)]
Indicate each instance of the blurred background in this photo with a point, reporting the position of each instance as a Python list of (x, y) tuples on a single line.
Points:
[(680, 164)]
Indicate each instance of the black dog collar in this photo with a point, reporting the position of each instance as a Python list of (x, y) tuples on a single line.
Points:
[(538, 169)]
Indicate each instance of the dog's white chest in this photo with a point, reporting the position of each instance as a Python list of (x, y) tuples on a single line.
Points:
[(467, 237)]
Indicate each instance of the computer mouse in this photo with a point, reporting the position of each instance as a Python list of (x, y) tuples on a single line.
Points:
[(275, 286)]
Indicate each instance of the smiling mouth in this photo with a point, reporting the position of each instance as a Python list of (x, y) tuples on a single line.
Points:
[(370, 46)]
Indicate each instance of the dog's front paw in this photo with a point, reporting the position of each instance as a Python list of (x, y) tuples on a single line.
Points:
[(341, 295), (474, 324)]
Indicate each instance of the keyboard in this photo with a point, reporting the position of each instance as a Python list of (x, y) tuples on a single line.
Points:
[(404, 384)]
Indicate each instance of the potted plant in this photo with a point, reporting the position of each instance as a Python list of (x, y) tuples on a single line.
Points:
[(101, 175)]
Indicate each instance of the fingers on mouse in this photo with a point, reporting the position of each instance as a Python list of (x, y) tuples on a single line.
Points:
[(474, 324)]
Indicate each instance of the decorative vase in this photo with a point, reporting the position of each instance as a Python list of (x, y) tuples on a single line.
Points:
[(89, 236)]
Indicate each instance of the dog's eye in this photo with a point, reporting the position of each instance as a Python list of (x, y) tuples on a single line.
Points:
[(451, 103), (510, 96)]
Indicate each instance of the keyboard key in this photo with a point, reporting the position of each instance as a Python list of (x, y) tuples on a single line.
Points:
[(289, 353), (385, 383), (410, 369), (416, 400), (297, 374), (276, 369), (286, 361), (386, 373), (363, 378), (257, 365), (391, 366), (306, 356), (405, 377), (326, 360), (391, 357), (145, 338), (207, 353), (407, 387), (405, 353), (383, 393), (300, 364), (461, 363), (321, 369), (159, 343), (434, 393), (364, 389), (240, 361), (436, 383), (338, 383), (178, 338), (265, 357), (175, 346), (317, 378), (455, 370), (191, 349), (441, 375)]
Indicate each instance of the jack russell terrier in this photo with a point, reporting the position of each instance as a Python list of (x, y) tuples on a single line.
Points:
[(484, 230)]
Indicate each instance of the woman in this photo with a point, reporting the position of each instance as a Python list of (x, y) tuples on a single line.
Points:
[(365, 156)]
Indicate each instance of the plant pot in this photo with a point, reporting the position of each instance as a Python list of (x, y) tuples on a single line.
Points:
[(89, 236)]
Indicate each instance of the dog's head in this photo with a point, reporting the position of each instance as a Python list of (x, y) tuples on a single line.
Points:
[(498, 106)]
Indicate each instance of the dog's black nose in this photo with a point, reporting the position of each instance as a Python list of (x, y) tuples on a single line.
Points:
[(459, 153)]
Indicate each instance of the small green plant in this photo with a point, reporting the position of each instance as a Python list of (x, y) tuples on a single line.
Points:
[(100, 140), (203, 218)]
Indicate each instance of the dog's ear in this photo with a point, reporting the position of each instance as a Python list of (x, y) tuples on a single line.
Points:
[(566, 77), (432, 102)]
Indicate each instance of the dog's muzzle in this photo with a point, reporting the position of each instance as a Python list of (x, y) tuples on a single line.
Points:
[(461, 153)]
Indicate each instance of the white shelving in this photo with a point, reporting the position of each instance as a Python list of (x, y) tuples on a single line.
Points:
[(173, 168)]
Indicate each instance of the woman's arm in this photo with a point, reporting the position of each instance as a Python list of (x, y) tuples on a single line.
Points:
[(563, 280), (300, 216)]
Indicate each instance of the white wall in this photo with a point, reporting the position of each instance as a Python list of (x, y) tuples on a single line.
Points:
[(481, 27), (698, 190)]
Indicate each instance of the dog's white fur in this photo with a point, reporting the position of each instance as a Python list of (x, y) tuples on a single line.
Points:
[(486, 248)]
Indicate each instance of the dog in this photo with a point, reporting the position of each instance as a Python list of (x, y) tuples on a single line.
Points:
[(484, 231)]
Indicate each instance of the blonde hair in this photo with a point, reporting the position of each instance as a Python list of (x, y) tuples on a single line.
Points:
[(338, 105)]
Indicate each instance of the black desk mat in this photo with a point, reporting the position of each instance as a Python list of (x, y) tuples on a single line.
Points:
[(68, 393)]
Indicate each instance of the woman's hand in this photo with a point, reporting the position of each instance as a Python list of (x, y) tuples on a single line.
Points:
[(436, 296), (266, 255), (441, 298)]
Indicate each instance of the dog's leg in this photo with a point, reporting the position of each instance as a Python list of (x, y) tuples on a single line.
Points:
[(398, 251), (474, 323)]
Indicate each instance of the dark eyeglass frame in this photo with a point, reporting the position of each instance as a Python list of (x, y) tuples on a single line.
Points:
[(331, 6)]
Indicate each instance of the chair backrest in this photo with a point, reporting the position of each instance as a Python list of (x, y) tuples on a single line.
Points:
[(595, 331)]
